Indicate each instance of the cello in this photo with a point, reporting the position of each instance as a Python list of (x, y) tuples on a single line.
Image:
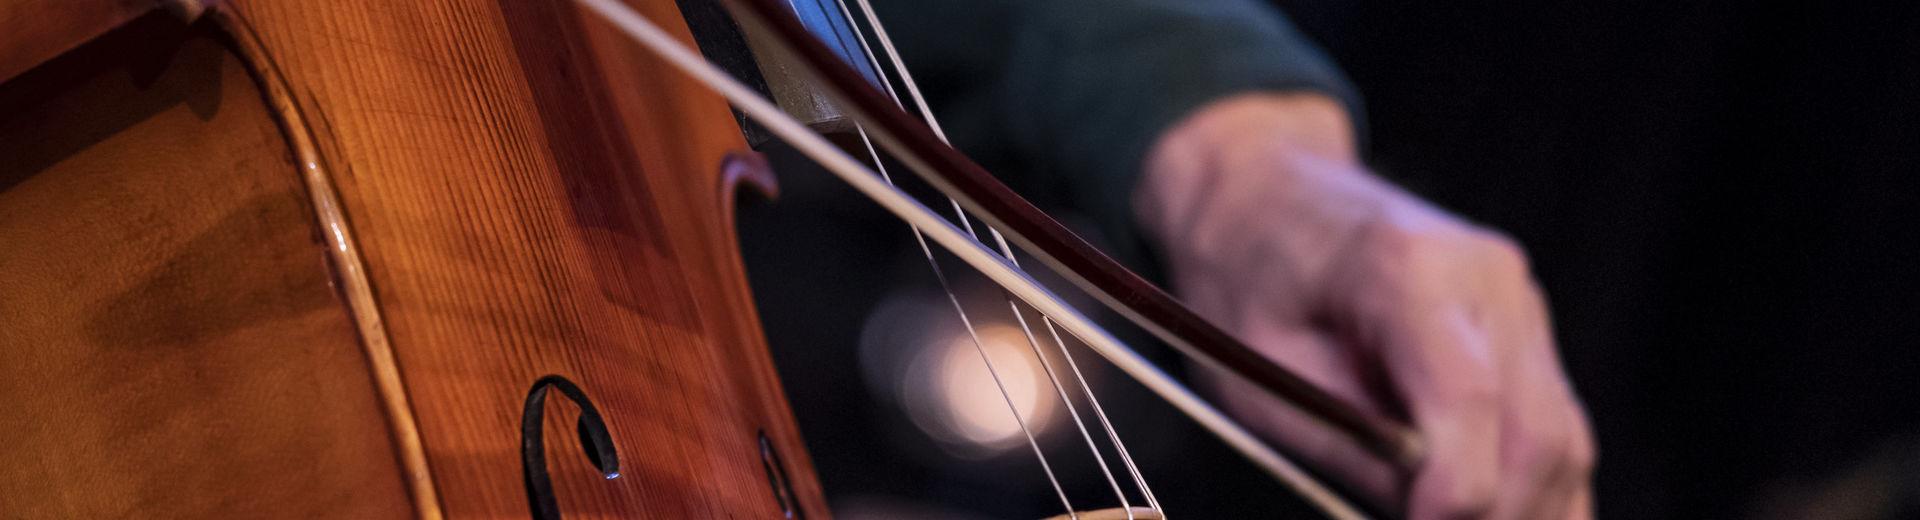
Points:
[(334, 259)]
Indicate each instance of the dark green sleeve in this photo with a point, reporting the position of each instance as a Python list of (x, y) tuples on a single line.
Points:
[(1063, 98)]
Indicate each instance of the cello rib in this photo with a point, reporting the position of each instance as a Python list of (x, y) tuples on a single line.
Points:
[(343, 254), (526, 200), (174, 347)]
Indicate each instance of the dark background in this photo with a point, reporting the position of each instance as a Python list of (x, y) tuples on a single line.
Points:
[(1718, 198)]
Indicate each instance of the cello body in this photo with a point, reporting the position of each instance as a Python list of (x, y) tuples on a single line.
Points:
[(310, 258)]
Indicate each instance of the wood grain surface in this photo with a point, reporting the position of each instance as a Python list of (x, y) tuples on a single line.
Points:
[(173, 349), (34, 31), (529, 195)]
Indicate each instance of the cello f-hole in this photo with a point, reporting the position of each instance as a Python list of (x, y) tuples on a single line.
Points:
[(595, 441)]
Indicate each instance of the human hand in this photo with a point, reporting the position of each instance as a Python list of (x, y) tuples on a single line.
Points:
[(1273, 230)]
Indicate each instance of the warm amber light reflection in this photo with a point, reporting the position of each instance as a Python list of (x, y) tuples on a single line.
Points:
[(957, 401)]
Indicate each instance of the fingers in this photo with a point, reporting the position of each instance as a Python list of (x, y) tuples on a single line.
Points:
[(1582, 506), (1452, 393), (1400, 297), (1383, 300), (1464, 338), (1537, 470), (1554, 457), (1547, 461)]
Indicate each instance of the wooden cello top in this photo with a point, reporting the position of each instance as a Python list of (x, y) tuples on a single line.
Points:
[(369, 228), (522, 196)]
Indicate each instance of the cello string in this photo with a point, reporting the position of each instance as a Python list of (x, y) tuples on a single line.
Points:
[(939, 275), (1081, 379), (947, 288), (913, 91), (1019, 315), (975, 254)]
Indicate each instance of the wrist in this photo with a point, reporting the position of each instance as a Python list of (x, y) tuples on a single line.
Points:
[(1301, 122), (1256, 178)]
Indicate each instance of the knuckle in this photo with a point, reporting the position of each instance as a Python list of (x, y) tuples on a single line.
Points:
[(1561, 450), (1381, 266), (1501, 252), (1465, 403), (1475, 393), (1581, 459), (1401, 255), (1414, 242), (1582, 453), (1547, 451), (1391, 242), (1465, 499)]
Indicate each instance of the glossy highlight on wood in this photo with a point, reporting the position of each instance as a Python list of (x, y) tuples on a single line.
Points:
[(173, 342), (523, 195)]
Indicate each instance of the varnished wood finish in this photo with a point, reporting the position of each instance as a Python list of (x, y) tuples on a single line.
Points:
[(535, 197), (343, 254), (527, 194), (34, 31), (172, 347)]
